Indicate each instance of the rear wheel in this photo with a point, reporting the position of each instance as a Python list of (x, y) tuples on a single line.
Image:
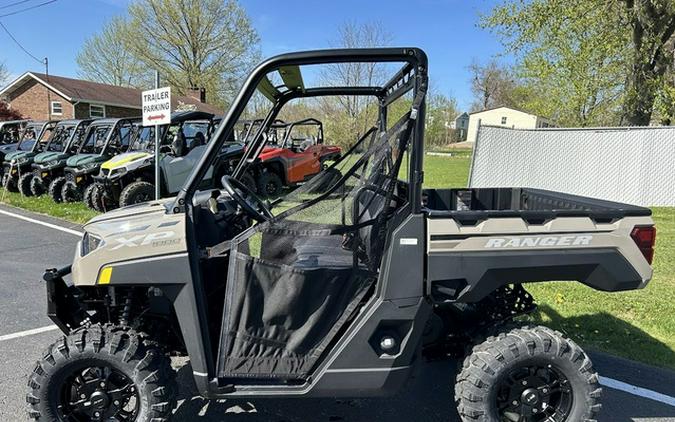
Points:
[(269, 184), (37, 186), (528, 374), (102, 373), (24, 184), (137, 192), (55, 188), (87, 196), (70, 192)]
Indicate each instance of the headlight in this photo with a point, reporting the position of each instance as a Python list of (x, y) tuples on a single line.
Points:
[(90, 243), (118, 171)]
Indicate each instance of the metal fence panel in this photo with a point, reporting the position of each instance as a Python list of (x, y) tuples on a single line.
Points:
[(631, 165)]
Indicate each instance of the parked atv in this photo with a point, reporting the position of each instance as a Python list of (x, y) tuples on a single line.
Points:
[(295, 158), (129, 178), (17, 163), (49, 164), (334, 294), (11, 130), (104, 139)]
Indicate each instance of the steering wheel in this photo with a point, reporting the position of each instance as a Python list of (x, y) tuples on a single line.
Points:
[(247, 199)]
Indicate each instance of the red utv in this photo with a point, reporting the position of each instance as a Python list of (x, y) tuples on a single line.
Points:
[(299, 155)]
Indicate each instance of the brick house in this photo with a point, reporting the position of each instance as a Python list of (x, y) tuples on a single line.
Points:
[(41, 97)]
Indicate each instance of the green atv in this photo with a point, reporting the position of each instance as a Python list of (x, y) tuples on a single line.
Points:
[(105, 138), (129, 178), (64, 142), (34, 139)]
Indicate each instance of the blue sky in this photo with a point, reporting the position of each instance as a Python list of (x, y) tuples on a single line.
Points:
[(446, 29)]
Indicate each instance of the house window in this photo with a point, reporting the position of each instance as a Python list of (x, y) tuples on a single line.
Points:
[(96, 111), (57, 108), (503, 120)]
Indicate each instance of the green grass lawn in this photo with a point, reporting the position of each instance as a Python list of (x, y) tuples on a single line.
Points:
[(638, 325), (76, 212)]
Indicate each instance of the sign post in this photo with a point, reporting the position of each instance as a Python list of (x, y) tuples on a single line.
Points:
[(157, 112)]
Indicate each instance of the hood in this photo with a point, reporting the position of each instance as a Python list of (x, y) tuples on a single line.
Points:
[(82, 159), (15, 155), (46, 157), (9, 147), (123, 160), (130, 212), (234, 149)]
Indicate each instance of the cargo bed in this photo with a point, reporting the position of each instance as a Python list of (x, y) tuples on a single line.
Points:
[(530, 204)]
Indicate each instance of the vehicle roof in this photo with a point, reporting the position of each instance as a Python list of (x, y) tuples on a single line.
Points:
[(10, 122), (109, 121), (181, 116), (73, 121)]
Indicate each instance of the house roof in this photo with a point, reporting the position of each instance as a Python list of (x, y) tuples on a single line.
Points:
[(498, 107), (78, 90)]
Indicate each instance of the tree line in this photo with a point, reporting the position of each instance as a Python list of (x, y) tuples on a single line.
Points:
[(583, 63)]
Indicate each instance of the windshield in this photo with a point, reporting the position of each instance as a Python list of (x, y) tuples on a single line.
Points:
[(144, 139), (59, 138), (28, 138), (95, 139)]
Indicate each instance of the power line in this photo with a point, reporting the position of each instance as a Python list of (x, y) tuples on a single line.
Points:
[(14, 4), (19, 44), (28, 8)]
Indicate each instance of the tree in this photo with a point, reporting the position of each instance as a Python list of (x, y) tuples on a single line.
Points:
[(194, 43), (595, 60), (356, 113), (7, 113), (4, 74), (441, 110), (494, 85), (104, 58), (652, 25)]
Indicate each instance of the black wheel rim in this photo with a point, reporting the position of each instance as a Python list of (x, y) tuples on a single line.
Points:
[(141, 197), (98, 393), (271, 188), (535, 393)]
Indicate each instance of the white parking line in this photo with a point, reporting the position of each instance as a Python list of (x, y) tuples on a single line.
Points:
[(42, 223), (637, 391), (29, 332)]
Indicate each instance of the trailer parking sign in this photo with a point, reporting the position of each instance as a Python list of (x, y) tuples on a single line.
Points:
[(156, 106)]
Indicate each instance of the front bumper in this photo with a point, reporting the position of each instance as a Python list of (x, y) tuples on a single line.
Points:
[(63, 306)]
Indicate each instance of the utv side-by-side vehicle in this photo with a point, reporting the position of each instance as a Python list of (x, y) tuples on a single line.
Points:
[(10, 132), (17, 163), (293, 159), (104, 139), (129, 178), (336, 293), (63, 142)]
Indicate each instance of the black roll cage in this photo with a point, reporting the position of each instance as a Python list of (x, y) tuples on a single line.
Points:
[(412, 76), (310, 121)]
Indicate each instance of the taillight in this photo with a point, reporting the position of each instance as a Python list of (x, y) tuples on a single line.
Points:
[(645, 239)]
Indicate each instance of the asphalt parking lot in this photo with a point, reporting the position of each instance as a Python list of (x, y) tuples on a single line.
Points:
[(632, 392)]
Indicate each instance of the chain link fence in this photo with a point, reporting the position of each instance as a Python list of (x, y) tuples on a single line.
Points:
[(634, 165)]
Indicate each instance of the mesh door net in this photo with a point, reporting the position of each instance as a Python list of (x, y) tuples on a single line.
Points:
[(295, 282)]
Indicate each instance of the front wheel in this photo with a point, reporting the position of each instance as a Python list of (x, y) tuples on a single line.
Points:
[(9, 183), (137, 192), (70, 192), (55, 188), (527, 374), (37, 186), (102, 373), (24, 184)]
